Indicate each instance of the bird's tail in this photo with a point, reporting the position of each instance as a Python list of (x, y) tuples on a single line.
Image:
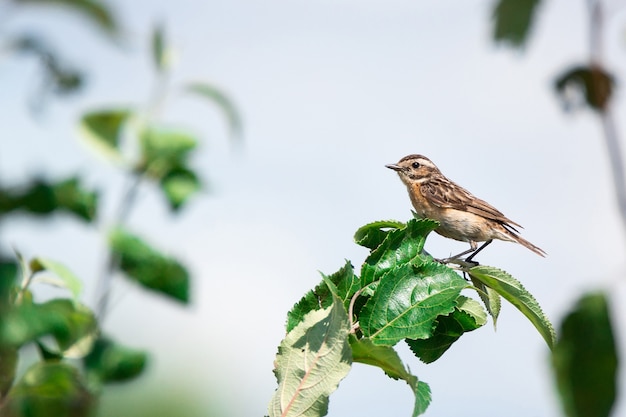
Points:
[(529, 245)]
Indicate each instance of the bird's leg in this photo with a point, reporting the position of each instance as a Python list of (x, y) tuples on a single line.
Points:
[(483, 246), (472, 248)]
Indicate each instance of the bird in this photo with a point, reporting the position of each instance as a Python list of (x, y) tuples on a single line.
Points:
[(461, 215)]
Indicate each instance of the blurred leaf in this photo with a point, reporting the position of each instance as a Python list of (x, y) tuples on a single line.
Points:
[(178, 185), (165, 150), (49, 389), (399, 247), (8, 365), (42, 198), (58, 76), (66, 80), (387, 359), (48, 354), (373, 234), (97, 12), (110, 362), (219, 98), (159, 49), (408, 301), (70, 196), (37, 198), (320, 297), (69, 323), (590, 85), (513, 20), (103, 129), (311, 361), (467, 316), (585, 359), (8, 276), (145, 265), (66, 278), (513, 291)]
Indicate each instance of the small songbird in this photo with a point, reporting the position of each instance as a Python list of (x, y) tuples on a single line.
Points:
[(461, 216)]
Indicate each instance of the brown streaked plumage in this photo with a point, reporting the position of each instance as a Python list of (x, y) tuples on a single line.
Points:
[(461, 215)]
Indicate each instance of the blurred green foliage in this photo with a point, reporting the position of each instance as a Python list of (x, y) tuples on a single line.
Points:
[(148, 267), (42, 198), (582, 86), (76, 358), (50, 389), (512, 20), (585, 359)]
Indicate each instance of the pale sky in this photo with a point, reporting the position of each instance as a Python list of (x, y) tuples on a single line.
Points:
[(330, 92)]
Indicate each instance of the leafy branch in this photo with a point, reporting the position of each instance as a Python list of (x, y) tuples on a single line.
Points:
[(164, 156), (402, 293)]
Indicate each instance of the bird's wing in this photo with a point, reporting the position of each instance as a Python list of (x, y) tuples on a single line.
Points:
[(446, 194)]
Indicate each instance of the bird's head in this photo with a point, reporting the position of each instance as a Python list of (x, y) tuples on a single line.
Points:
[(414, 169)]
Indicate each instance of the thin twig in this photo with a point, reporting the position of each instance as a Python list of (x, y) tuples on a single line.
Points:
[(112, 261), (613, 147), (156, 100), (354, 325), (609, 127)]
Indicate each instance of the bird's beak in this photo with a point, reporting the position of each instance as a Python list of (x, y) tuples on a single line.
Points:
[(394, 167)]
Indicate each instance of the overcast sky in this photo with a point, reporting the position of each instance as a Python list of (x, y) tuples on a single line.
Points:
[(330, 92)]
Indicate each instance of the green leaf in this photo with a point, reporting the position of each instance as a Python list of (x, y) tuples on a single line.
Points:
[(96, 12), (65, 277), (48, 354), (320, 297), (311, 361), (491, 299), (387, 359), (58, 76), (400, 246), (178, 186), (110, 362), (50, 389), (8, 365), (145, 265), (513, 20), (103, 129), (513, 291), (164, 158), (467, 316), (72, 197), (216, 96), (585, 359), (164, 150), (8, 277), (423, 398), (373, 234), (347, 284), (72, 325), (593, 85), (43, 198), (159, 49), (408, 301), (37, 198)]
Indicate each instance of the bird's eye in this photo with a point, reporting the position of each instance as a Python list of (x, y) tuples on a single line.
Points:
[(415, 165)]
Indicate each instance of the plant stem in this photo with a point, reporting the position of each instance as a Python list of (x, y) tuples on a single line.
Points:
[(112, 261), (613, 147), (609, 127)]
